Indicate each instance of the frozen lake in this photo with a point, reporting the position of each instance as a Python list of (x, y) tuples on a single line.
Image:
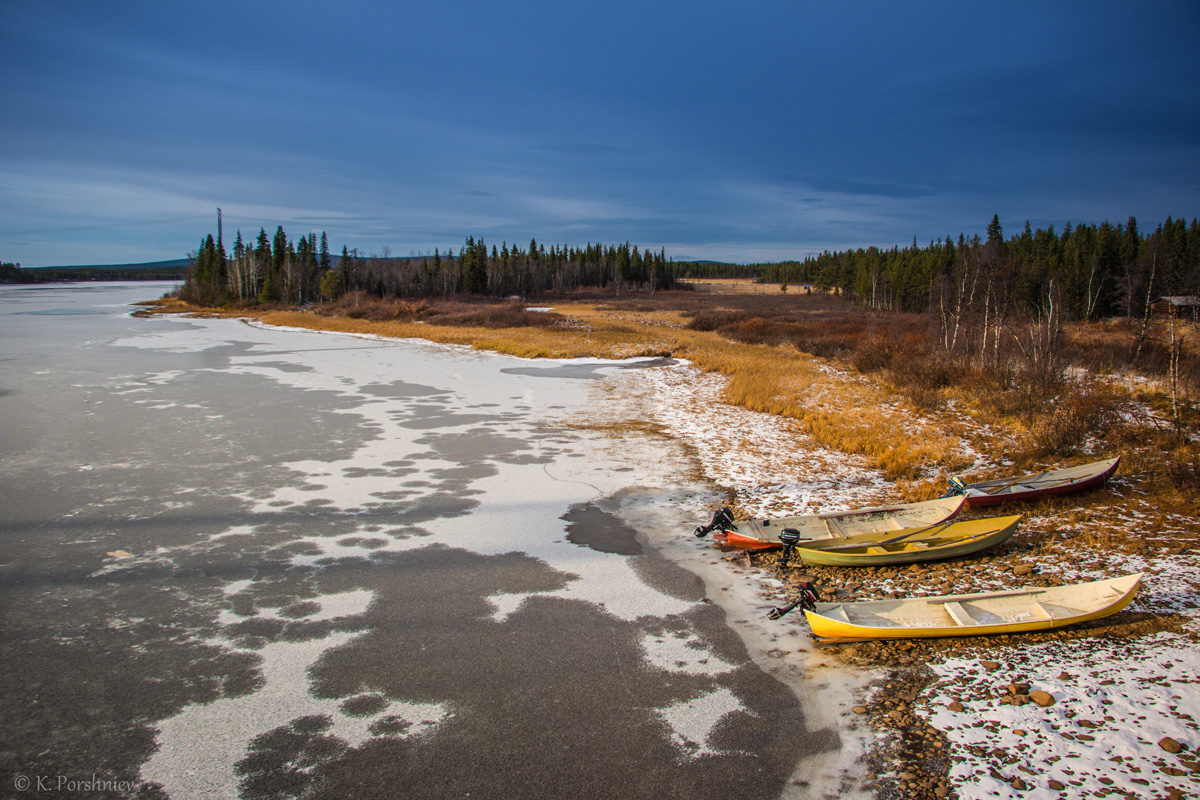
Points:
[(238, 561)]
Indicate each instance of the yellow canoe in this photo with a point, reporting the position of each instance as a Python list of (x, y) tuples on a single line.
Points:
[(947, 540), (1019, 611)]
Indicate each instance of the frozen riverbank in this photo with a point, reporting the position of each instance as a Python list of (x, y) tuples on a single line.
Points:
[(249, 561)]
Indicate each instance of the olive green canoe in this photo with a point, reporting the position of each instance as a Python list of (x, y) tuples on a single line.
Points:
[(945, 540)]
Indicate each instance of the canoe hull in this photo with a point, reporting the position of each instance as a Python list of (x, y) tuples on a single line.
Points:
[(1114, 595), (764, 535), (948, 542), (1047, 488)]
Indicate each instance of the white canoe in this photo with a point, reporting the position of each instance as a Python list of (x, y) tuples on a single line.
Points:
[(760, 534)]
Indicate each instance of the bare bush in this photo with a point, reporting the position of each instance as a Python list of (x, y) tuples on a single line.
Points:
[(509, 315), (1074, 418), (712, 319)]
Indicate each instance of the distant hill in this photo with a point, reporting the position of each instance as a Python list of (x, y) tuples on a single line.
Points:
[(173, 270), (177, 263)]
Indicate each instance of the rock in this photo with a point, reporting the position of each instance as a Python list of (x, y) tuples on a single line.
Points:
[(1022, 569), (990, 666), (1064, 676), (956, 707), (1057, 786), (1019, 784), (860, 709), (1170, 745), (1018, 688), (1043, 699)]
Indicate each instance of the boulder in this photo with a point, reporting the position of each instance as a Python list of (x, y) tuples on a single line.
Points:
[(1170, 745)]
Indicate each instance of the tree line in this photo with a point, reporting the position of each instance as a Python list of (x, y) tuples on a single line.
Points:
[(281, 270), (999, 305), (11, 272), (1097, 271)]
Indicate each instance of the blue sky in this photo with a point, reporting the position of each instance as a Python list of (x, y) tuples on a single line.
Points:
[(740, 132)]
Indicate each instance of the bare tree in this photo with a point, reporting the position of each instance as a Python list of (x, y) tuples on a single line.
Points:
[(955, 299), (1141, 340), (1040, 341), (1176, 351)]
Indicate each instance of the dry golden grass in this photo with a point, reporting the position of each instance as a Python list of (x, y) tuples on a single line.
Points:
[(734, 286), (764, 346)]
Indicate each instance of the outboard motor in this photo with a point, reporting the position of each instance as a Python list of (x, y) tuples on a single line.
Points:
[(721, 518), (790, 538), (955, 489), (808, 600)]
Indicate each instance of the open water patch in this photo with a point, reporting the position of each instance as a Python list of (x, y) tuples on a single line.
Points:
[(592, 527)]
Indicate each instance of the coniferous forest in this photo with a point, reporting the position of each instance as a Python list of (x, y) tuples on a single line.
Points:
[(1086, 271), (280, 270), (1093, 271)]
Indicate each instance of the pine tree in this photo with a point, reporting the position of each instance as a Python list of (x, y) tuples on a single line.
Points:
[(995, 234)]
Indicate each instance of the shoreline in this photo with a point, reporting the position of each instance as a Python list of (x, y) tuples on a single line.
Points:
[(665, 525), (686, 408)]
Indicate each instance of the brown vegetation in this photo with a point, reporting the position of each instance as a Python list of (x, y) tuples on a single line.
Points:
[(871, 383)]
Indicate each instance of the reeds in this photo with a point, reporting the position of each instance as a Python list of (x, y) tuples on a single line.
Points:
[(858, 382)]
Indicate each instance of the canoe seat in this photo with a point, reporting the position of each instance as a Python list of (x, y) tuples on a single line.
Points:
[(875, 550), (1041, 611), (960, 614), (838, 613)]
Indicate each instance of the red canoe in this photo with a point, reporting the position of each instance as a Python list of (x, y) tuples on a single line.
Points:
[(1047, 483)]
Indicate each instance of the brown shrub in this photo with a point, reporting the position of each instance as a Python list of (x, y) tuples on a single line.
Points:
[(509, 315), (873, 355), (829, 337), (712, 319), (922, 375), (461, 313), (360, 305), (1183, 468), (1075, 417)]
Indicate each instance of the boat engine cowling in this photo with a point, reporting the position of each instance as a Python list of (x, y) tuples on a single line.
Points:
[(722, 517), (790, 538)]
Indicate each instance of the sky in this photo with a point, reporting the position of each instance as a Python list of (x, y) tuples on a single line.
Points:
[(754, 131)]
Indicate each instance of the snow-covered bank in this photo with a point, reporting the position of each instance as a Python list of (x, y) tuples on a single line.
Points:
[(1116, 698)]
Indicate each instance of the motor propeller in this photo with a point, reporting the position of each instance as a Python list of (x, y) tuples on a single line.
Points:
[(722, 517), (807, 600)]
